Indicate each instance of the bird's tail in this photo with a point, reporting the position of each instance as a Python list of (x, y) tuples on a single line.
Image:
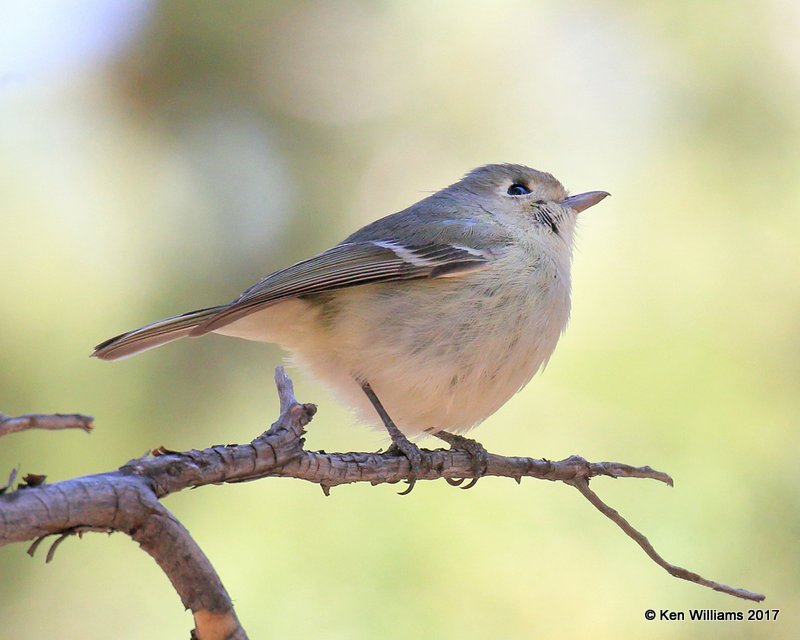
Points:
[(152, 335)]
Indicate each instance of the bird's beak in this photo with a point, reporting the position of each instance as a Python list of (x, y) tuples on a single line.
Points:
[(584, 200)]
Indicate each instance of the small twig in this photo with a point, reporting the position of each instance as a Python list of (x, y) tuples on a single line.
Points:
[(582, 485), (51, 421), (10, 483)]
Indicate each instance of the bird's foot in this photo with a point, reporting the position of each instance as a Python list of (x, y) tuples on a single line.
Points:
[(478, 456), (402, 446)]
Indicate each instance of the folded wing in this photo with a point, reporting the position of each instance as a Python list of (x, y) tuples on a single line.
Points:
[(348, 265)]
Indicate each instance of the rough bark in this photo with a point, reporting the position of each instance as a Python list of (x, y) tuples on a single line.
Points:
[(127, 500)]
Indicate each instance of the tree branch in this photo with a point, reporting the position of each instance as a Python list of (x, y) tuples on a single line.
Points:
[(52, 421), (127, 500), (582, 485)]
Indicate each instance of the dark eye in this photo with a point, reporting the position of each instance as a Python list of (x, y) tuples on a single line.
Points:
[(518, 189)]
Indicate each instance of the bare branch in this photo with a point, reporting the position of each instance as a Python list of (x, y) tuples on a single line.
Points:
[(191, 573), (582, 485), (127, 500), (52, 421)]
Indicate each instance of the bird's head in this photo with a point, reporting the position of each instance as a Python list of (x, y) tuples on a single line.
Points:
[(514, 192)]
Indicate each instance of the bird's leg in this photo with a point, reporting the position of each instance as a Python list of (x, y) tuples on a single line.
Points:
[(400, 443), (474, 449)]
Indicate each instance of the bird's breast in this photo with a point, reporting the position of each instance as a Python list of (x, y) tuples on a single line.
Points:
[(446, 354)]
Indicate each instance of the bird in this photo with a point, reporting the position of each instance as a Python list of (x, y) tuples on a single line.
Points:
[(426, 321)]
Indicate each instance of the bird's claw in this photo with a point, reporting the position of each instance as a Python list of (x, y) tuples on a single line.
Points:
[(402, 446), (479, 457)]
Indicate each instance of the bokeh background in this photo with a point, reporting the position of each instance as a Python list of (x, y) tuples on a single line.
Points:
[(158, 157)]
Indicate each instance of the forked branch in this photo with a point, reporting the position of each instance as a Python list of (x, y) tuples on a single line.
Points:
[(127, 499)]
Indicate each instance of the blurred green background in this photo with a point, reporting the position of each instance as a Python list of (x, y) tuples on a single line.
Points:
[(159, 157)]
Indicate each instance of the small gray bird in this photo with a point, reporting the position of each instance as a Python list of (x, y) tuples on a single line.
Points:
[(427, 320)]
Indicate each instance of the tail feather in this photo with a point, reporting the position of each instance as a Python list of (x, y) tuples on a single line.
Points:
[(152, 335)]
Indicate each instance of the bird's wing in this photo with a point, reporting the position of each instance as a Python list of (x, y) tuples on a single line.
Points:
[(348, 265)]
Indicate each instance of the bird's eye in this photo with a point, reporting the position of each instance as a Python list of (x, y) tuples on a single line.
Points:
[(518, 189)]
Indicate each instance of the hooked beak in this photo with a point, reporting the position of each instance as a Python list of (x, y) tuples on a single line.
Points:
[(583, 201)]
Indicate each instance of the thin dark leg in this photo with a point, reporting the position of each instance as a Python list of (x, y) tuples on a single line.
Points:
[(400, 443), (477, 454)]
